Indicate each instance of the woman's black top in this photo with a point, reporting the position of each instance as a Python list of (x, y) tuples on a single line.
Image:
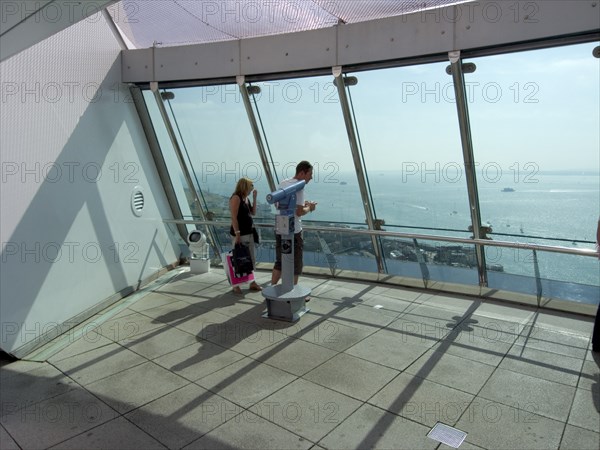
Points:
[(244, 219)]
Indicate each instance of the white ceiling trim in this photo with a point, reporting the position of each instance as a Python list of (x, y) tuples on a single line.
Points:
[(466, 26)]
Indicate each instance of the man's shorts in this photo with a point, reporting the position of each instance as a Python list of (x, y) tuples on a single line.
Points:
[(298, 253)]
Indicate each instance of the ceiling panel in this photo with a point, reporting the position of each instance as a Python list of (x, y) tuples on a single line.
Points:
[(180, 22)]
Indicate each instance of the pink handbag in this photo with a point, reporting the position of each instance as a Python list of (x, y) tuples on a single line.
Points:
[(229, 270)]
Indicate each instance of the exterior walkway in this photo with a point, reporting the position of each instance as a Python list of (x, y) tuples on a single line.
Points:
[(186, 364)]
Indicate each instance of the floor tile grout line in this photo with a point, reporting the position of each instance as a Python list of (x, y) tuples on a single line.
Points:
[(92, 394), (58, 343), (311, 326), (37, 402), (146, 360), (11, 436), (415, 379), (379, 328), (120, 344), (577, 388), (478, 395), (139, 407), (259, 416)]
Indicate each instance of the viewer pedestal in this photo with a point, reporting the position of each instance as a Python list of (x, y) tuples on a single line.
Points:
[(285, 304), (201, 265), (286, 301)]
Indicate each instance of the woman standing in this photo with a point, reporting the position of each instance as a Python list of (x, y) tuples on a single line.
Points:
[(241, 221)]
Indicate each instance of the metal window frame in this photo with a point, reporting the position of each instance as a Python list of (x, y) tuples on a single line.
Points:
[(462, 108), (358, 165)]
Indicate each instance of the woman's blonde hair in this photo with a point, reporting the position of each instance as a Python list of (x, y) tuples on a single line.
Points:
[(243, 186)]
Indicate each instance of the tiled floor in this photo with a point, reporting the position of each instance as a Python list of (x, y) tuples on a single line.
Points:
[(186, 364)]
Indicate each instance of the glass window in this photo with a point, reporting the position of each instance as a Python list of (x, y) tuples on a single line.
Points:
[(407, 122), (213, 131), (218, 143), (534, 121), (535, 127), (302, 120), (179, 185), (410, 137)]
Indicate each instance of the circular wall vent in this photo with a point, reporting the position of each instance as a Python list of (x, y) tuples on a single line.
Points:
[(137, 201)]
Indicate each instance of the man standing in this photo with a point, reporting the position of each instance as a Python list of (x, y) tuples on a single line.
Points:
[(304, 171)]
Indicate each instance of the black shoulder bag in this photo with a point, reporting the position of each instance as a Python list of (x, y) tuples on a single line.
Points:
[(242, 262)]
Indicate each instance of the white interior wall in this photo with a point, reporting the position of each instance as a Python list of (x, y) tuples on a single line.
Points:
[(26, 22), (72, 151)]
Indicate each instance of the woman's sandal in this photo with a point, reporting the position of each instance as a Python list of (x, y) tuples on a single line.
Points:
[(255, 287), (237, 290)]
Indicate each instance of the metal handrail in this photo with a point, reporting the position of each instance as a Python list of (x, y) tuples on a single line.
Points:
[(467, 241)]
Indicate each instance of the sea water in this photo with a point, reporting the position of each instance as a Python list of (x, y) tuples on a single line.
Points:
[(557, 209)]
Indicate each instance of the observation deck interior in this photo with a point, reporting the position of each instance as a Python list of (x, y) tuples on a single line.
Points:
[(184, 363), (452, 255)]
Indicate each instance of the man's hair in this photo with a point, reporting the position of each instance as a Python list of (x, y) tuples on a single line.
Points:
[(303, 166)]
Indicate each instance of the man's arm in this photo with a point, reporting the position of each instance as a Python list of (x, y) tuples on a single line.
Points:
[(302, 210)]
